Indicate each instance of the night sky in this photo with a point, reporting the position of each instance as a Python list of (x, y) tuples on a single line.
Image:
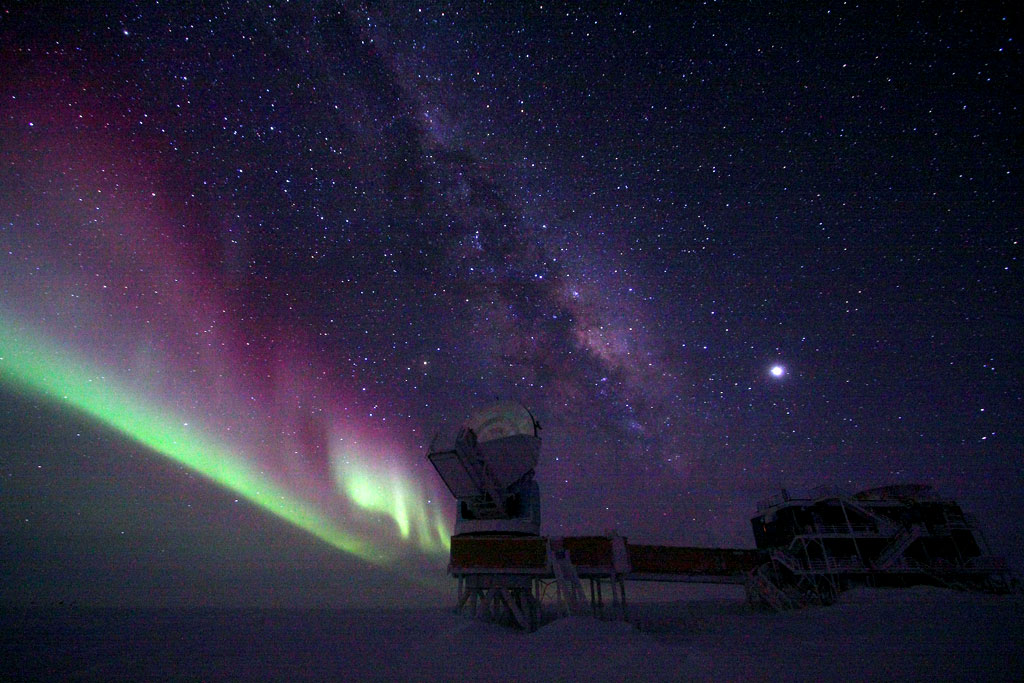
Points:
[(253, 255)]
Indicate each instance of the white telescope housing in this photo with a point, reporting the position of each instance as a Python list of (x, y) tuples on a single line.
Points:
[(489, 469)]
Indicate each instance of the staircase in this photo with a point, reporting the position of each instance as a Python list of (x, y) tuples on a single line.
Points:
[(885, 525), (761, 587), (567, 581), (788, 561), (897, 546)]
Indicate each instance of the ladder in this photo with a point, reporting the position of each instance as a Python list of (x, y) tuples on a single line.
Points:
[(567, 580)]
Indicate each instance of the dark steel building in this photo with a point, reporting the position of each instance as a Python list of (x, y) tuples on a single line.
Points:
[(826, 540)]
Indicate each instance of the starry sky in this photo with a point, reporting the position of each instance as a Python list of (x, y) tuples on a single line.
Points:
[(254, 255)]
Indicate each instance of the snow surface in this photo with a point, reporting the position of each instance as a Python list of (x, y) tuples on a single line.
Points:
[(909, 634)]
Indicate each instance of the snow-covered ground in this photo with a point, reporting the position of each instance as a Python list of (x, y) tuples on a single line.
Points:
[(910, 634)]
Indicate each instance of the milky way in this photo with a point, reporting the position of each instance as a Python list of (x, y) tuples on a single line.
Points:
[(280, 246)]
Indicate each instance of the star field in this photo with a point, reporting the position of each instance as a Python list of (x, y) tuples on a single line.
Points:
[(716, 249)]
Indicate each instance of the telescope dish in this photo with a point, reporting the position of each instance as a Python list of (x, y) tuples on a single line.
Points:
[(500, 420), (496, 448), (489, 469)]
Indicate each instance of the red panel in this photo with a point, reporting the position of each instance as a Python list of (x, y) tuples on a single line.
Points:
[(660, 559), (589, 551), (470, 552)]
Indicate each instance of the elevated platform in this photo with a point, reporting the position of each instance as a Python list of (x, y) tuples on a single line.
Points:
[(508, 577), (594, 556), (692, 564)]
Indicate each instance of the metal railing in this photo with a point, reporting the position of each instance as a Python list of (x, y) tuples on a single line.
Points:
[(786, 495), (828, 564), (842, 530)]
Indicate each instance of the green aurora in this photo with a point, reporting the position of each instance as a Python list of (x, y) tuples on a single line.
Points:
[(33, 363)]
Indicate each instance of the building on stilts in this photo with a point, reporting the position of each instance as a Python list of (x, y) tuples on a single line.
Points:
[(810, 546)]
